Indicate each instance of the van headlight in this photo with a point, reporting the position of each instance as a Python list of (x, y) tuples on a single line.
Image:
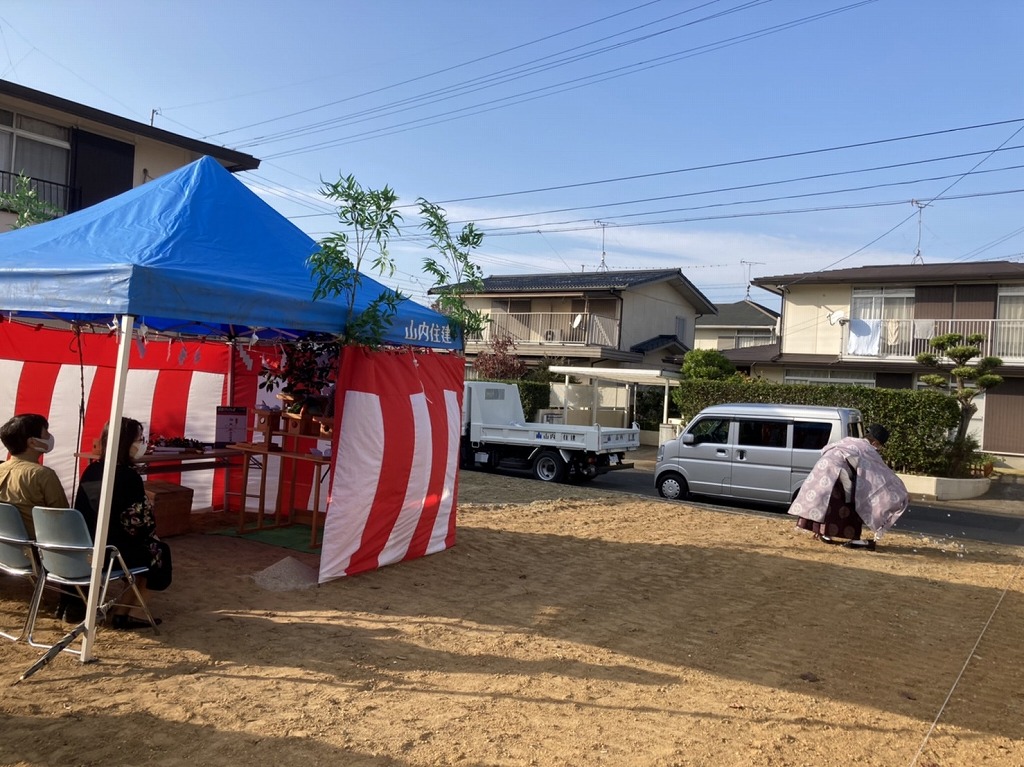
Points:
[(661, 452)]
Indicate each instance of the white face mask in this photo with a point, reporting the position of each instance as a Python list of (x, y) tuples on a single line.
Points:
[(43, 445), (137, 449)]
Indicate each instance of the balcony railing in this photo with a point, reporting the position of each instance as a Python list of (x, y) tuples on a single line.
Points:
[(551, 328), (61, 196), (905, 339)]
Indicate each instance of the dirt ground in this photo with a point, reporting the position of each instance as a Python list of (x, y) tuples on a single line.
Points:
[(566, 627)]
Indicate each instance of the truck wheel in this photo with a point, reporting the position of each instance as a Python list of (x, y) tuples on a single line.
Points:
[(673, 486), (548, 466)]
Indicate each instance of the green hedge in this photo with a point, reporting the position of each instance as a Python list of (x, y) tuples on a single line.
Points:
[(920, 422)]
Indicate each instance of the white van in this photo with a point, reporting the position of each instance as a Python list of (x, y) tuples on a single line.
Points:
[(753, 452)]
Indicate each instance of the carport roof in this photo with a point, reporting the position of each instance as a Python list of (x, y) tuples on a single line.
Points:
[(620, 375)]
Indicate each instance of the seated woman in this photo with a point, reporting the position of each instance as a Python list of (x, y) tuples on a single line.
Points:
[(132, 526)]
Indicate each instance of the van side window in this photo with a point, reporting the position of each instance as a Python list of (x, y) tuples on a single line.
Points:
[(811, 436), (713, 430), (855, 429), (762, 433)]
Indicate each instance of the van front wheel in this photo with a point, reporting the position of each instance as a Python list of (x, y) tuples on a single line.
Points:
[(673, 487)]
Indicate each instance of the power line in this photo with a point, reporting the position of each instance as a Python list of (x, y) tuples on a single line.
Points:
[(517, 231), (618, 217), (569, 85), (762, 184), (717, 190), (439, 71), (499, 77), (941, 194), (735, 163)]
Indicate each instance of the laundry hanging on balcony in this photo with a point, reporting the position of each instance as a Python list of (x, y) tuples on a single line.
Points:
[(924, 329), (864, 338)]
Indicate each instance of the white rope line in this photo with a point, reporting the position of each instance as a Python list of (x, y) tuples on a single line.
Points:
[(966, 663)]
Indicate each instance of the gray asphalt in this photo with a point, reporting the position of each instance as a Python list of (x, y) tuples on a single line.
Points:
[(997, 517)]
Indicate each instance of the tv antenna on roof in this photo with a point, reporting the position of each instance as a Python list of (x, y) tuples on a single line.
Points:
[(603, 267), (748, 264), (918, 258)]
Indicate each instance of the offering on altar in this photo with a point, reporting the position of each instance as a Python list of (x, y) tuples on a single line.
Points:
[(175, 445)]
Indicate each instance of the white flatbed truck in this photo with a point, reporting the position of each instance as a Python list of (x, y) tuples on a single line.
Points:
[(495, 435)]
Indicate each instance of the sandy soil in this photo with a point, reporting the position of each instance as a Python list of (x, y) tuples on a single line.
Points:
[(566, 627)]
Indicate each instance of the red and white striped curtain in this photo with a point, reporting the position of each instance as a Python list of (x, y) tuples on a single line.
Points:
[(397, 423), (173, 389)]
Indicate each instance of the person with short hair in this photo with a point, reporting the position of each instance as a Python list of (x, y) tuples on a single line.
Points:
[(24, 481)]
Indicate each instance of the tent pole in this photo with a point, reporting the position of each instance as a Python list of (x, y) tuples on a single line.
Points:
[(231, 373), (107, 484)]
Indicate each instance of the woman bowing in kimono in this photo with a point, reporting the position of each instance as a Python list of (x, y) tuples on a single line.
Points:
[(851, 486)]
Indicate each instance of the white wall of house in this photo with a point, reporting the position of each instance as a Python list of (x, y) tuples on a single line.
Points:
[(150, 155), (706, 338), (770, 374), (153, 159), (806, 329), (651, 310)]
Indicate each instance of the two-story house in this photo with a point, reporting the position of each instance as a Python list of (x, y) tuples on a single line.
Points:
[(77, 156), (635, 318), (737, 326), (865, 326)]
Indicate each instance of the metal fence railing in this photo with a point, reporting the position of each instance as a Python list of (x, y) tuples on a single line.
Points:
[(908, 338), (61, 196), (551, 328)]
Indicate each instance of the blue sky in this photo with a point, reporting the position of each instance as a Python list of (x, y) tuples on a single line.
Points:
[(632, 130)]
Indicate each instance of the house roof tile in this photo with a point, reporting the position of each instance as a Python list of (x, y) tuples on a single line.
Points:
[(562, 282), (749, 354), (659, 342), (740, 314), (908, 274)]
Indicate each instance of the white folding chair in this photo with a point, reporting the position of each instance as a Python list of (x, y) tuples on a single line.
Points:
[(65, 548), (18, 558)]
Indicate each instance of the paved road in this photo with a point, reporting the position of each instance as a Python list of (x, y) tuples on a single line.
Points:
[(944, 519)]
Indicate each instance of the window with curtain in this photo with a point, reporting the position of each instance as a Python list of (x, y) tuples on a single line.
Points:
[(38, 149), (882, 303), (1008, 340), (892, 309), (826, 376)]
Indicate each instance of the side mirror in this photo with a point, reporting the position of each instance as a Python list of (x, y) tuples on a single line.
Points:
[(686, 439)]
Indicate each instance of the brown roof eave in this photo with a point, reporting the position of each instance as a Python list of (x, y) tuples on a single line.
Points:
[(232, 159)]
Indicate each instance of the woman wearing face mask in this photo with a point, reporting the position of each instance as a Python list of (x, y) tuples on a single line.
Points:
[(132, 526), (24, 482)]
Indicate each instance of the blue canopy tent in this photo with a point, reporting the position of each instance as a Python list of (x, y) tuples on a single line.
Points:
[(194, 252)]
